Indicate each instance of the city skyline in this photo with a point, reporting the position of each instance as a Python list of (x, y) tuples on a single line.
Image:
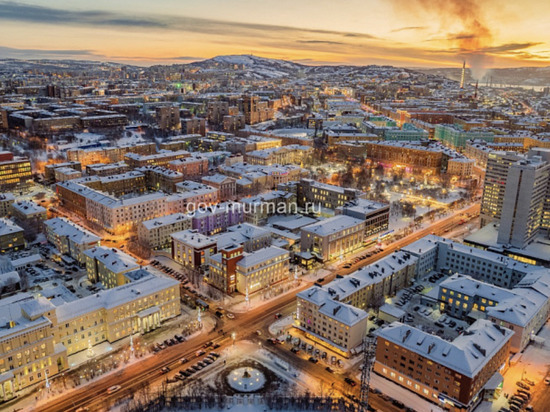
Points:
[(410, 34)]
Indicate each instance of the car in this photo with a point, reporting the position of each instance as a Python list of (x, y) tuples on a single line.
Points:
[(113, 389), (207, 361), (200, 353), (313, 360), (230, 316), (522, 385), (184, 360), (329, 369), (259, 332), (320, 280), (219, 314), (547, 381), (216, 346), (295, 350), (529, 381), (270, 340), (165, 369), (179, 338), (439, 324), (167, 342), (190, 371), (523, 392), (452, 324), (215, 354), (162, 346), (208, 344), (350, 381)]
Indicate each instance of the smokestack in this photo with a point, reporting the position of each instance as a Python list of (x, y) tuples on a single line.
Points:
[(475, 93), (463, 75)]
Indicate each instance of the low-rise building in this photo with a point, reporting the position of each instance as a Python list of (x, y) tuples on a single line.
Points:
[(109, 266), (376, 215), (11, 235), (262, 268), (28, 349), (523, 309), (69, 238), (192, 249), (452, 373), (226, 185), (29, 216), (110, 315), (155, 233), (328, 322), (15, 172), (190, 167), (333, 238), (6, 202)]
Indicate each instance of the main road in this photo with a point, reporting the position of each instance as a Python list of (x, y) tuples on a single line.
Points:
[(147, 371)]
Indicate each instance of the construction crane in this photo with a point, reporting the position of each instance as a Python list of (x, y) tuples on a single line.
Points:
[(369, 352)]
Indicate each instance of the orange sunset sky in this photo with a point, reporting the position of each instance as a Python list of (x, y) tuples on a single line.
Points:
[(411, 33)]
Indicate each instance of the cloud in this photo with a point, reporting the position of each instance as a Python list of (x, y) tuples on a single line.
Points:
[(11, 11), (320, 42), (409, 28), (14, 53)]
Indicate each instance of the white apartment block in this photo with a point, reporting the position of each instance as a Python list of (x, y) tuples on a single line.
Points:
[(155, 233), (262, 268), (333, 238)]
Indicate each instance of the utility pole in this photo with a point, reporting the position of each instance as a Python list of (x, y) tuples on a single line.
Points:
[(369, 352)]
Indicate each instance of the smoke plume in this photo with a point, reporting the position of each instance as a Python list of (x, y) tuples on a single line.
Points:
[(473, 39)]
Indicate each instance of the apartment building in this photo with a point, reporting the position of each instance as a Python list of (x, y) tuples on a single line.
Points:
[(339, 326), (437, 253), (155, 233), (162, 158), (333, 238), (217, 218), (15, 172), (109, 266), (250, 237), (6, 201), (453, 374), (262, 268), (376, 215), (226, 185), (328, 196), (29, 216), (192, 249), (69, 238), (49, 170), (160, 178), (107, 169), (28, 349), (523, 309), (190, 167), (11, 236)]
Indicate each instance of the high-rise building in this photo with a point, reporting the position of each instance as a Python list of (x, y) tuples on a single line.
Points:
[(498, 164), (15, 171), (526, 187)]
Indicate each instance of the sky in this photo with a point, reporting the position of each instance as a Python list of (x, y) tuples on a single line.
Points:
[(408, 33)]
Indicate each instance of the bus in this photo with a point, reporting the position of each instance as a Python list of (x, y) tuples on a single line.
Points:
[(202, 304)]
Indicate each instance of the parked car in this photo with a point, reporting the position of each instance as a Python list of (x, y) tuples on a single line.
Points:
[(350, 381), (523, 385), (113, 389)]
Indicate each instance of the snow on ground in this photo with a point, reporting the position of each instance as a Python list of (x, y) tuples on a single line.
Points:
[(395, 391), (280, 325)]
